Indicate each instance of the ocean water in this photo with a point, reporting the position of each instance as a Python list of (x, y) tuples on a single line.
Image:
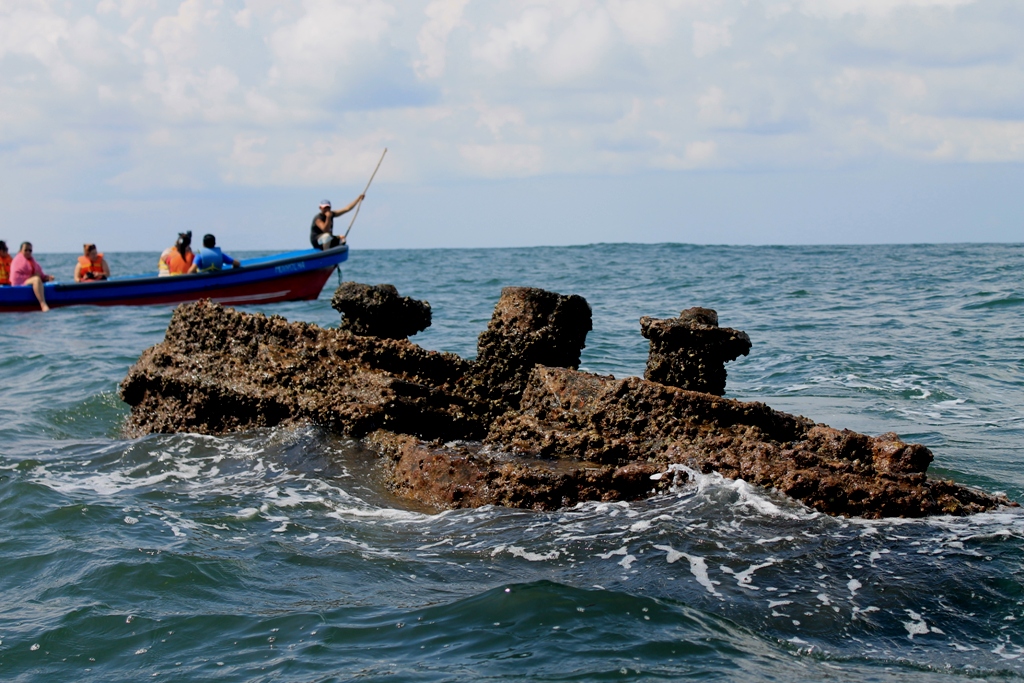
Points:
[(278, 556)]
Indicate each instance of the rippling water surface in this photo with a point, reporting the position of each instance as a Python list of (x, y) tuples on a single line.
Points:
[(276, 555)]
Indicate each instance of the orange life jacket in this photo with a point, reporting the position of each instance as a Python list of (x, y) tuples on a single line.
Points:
[(5, 269), (178, 265), (95, 268)]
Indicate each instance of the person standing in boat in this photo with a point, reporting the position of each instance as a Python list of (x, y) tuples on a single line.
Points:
[(177, 260), (5, 265), (25, 270), (321, 232), (211, 258), (92, 266)]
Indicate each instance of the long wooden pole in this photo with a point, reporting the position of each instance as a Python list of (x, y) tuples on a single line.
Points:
[(358, 206)]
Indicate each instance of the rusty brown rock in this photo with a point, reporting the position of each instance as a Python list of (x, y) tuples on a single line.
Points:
[(379, 311), (447, 476), (566, 413), (219, 370), (690, 352), (529, 327), (569, 436)]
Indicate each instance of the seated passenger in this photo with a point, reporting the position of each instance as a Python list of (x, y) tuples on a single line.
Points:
[(5, 265), (25, 270), (177, 260), (211, 258), (92, 266)]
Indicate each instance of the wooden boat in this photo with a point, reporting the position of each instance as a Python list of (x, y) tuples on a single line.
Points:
[(295, 276)]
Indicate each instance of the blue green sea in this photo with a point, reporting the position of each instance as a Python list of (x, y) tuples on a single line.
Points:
[(278, 555)]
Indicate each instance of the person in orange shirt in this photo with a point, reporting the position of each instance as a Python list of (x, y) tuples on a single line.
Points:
[(92, 266), (177, 260), (5, 265)]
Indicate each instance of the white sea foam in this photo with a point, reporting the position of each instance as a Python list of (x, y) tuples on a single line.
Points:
[(389, 514), (745, 578), (517, 551), (916, 626), (776, 539), (698, 567)]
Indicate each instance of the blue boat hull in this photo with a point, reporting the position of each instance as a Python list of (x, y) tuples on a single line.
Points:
[(294, 276)]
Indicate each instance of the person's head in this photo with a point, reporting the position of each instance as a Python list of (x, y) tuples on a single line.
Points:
[(3, 247), (209, 241), (90, 251), (325, 206), (184, 242), (26, 249)]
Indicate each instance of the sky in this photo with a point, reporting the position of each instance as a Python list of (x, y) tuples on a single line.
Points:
[(512, 122)]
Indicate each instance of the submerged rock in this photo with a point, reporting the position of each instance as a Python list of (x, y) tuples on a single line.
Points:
[(456, 475), (519, 426)]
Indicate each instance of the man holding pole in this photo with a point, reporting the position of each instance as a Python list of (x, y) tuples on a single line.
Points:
[(321, 232)]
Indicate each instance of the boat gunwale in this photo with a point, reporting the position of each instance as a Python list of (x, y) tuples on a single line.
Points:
[(132, 280)]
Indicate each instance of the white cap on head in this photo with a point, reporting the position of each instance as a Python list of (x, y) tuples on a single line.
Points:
[(325, 204)]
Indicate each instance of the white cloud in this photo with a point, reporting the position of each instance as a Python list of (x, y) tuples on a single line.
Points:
[(197, 93), (954, 139), (443, 16), (838, 8), (714, 112), (578, 50), (697, 154), (329, 37), (332, 160), (710, 38), (176, 36), (503, 160), (527, 32), (495, 119), (32, 29), (642, 22)]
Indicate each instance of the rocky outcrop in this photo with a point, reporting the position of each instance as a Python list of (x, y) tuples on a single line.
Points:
[(569, 414), (529, 327), (510, 428), (219, 370), (379, 311), (690, 352)]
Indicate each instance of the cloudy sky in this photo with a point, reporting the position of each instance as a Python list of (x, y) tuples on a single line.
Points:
[(512, 122)]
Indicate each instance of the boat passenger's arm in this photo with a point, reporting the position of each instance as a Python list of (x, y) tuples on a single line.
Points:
[(350, 206)]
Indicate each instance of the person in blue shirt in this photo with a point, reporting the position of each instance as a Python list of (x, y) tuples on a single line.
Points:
[(211, 258)]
